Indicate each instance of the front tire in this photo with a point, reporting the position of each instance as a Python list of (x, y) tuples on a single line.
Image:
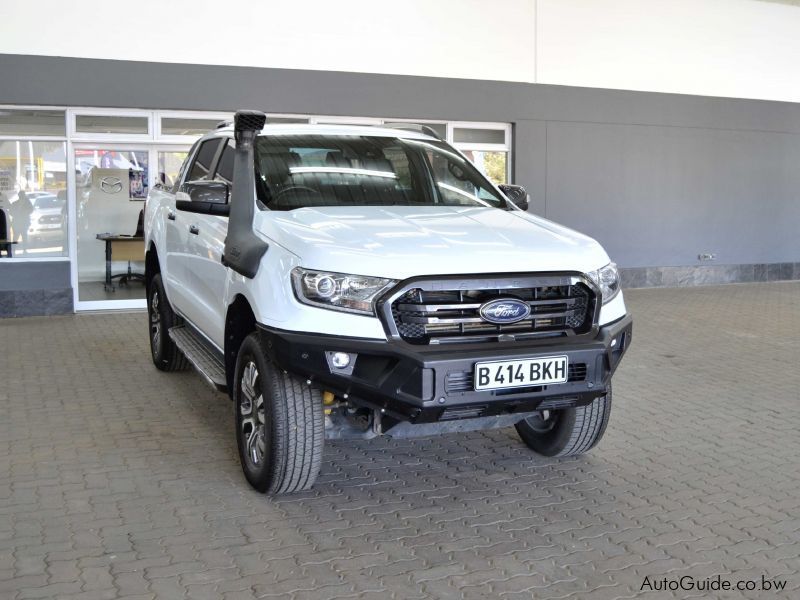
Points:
[(569, 431), (280, 428), (161, 319)]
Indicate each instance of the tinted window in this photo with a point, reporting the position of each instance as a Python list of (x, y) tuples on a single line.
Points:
[(201, 168), (225, 164), (182, 171), (322, 170)]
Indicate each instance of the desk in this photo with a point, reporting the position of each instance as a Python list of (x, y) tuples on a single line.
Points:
[(122, 247), (5, 246)]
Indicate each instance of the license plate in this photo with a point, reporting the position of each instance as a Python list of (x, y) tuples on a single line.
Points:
[(520, 373)]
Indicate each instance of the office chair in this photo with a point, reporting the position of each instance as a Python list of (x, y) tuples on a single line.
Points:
[(5, 243), (130, 275)]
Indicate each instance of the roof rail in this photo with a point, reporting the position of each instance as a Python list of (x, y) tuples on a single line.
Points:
[(417, 127), (223, 124)]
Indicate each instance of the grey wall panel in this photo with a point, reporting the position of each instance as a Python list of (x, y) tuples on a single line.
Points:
[(90, 82), (657, 178), (530, 161), (35, 288), (661, 196), (34, 275)]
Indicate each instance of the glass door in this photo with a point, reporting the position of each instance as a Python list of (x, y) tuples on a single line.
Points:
[(111, 185)]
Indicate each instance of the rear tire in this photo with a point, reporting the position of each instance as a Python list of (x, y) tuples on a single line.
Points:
[(280, 427), (161, 319), (569, 431)]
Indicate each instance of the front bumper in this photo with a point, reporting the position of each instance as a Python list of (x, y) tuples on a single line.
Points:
[(426, 384)]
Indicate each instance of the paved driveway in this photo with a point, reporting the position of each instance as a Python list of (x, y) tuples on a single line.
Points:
[(117, 480)]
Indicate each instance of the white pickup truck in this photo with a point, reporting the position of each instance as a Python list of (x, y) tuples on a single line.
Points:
[(345, 281)]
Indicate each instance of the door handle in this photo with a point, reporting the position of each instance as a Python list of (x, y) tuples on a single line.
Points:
[(171, 216), (194, 229)]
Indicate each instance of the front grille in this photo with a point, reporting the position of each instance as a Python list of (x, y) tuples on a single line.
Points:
[(430, 313)]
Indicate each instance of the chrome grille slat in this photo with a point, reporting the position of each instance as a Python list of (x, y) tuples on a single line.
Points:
[(430, 312), (429, 308), (463, 319)]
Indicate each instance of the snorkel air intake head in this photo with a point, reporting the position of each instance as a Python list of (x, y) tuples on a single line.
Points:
[(243, 248)]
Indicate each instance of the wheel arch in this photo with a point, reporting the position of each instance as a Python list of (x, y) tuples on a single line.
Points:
[(151, 265), (240, 321)]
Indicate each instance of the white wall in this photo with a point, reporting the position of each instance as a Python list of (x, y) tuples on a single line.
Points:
[(736, 48), (479, 39)]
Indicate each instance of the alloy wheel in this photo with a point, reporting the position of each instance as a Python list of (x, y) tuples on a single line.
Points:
[(251, 410), (155, 323)]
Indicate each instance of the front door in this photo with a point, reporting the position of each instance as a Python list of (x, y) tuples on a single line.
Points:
[(197, 253)]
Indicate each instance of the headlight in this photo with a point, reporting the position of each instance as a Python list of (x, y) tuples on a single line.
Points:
[(338, 291), (607, 279)]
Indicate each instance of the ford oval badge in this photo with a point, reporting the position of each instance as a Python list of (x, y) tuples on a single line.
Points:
[(503, 311)]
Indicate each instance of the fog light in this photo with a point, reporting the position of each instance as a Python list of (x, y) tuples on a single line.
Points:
[(340, 360), (613, 342)]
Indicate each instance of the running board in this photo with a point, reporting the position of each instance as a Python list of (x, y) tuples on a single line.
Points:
[(200, 355)]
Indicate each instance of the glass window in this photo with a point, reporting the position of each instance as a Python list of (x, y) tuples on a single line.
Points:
[(187, 126), (110, 124), (33, 197), (456, 182), (278, 120), (301, 171), (492, 164), (462, 135), (32, 122), (169, 168), (225, 164), (201, 168)]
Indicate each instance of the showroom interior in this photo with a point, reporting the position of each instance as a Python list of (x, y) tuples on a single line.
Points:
[(667, 131)]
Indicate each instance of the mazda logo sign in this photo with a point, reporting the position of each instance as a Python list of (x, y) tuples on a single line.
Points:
[(110, 184), (503, 311)]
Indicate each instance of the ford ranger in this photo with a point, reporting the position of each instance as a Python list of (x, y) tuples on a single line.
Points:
[(344, 281)]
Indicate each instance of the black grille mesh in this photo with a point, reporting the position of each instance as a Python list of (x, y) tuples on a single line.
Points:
[(446, 316)]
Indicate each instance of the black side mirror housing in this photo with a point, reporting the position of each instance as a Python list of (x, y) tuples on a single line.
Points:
[(515, 194), (207, 198)]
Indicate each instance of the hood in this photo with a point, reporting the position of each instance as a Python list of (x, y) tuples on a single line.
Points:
[(404, 241)]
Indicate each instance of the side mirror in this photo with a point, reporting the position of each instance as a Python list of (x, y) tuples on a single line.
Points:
[(516, 194), (206, 197)]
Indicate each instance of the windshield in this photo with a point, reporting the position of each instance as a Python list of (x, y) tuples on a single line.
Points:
[(297, 171), (43, 202)]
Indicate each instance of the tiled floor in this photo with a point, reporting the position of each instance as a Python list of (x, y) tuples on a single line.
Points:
[(117, 480)]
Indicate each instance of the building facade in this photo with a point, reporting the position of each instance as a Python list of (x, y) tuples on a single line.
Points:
[(668, 131)]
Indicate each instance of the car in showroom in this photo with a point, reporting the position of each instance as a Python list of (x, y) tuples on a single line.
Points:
[(343, 281), (48, 216)]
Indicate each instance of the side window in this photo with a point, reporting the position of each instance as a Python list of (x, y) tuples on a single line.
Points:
[(455, 184), (182, 171), (224, 170), (201, 168)]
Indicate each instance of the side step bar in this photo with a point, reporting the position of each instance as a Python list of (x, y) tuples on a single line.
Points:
[(202, 357)]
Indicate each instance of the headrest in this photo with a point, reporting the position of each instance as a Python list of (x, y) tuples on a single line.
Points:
[(337, 159)]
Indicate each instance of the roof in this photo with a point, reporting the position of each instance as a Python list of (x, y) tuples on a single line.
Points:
[(363, 130)]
